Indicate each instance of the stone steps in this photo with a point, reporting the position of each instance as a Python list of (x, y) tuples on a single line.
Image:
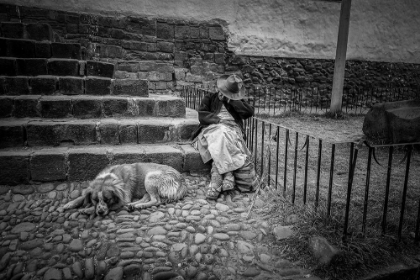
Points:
[(114, 131), (93, 106), (29, 165)]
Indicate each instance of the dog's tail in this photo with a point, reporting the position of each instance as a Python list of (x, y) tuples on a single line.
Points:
[(172, 186)]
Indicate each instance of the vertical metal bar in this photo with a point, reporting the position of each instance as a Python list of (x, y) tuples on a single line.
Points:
[(262, 147), (256, 141), (388, 181), (269, 100), (269, 156), (277, 154), (275, 97), (305, 182), (417, 233), (331, 180), (295, 166), (286, 147), (352, 165), (365, 203), (318, 172), (404, 195)]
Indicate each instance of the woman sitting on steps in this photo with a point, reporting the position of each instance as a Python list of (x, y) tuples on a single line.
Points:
[(220, 137)]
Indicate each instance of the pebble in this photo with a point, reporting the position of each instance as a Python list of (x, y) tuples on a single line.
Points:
[(199, 238), (221, 236), (23, 227), (222, 207), (115, 273), (76, 245)]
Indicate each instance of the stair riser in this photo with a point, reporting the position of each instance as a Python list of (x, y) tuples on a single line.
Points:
[(84, 164), (41, 85), (91, 133), (31, 107), (59, 67)]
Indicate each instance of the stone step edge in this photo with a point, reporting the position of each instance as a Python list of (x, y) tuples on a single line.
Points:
[(89, 106), (25, 166), (71, 85), (50, 133)]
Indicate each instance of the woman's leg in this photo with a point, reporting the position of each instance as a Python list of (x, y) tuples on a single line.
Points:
[(215, 186)]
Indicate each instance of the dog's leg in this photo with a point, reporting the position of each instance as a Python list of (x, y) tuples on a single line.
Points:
[(131, 206), (154, 200), (87, 211), (76, 203)]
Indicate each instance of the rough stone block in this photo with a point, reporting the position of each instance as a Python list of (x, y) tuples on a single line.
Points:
[(171, 108), (14, 168), (27, 107), (182, 32), (128, 132), (164, 30), (100, 69), (66, 50), (7, 66), (20, 48), (98, 86), (115, 107), (16, 86), (6, 107), (164, 155), (192, 160), (78, 132), (46, 85), (85, 164), (146, 107), (39, 32), (49, 165), (152, 133), (219, 58), (87, 107), (55, 108), (12, 134), (111, 51), (204, 32), (130, 87), (63, 67), (3, 47), (71, 85), (133, 45), (42, 49), (109, 131), (31, 66), (165, 47), (216, 33), (12, 30)]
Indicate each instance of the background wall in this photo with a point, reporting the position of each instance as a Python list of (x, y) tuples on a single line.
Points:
[(380, 30)]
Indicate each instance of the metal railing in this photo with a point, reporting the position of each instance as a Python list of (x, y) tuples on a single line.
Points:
[(271, 101), (339, 179), (311, 173)]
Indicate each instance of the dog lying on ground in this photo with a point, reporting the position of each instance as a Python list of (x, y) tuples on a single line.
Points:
[(118, 186)]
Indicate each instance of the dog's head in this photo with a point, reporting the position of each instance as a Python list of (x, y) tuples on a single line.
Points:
[(106, 193)]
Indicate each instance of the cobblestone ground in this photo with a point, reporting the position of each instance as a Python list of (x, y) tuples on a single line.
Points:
[(190, 239)]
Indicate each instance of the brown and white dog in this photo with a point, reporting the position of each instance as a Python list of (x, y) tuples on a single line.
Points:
[(119, 185)]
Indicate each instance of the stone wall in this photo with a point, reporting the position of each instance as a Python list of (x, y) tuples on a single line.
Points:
[(170, 53)]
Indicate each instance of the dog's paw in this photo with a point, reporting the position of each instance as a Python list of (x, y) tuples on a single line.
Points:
[(129, 208), (87, 211)]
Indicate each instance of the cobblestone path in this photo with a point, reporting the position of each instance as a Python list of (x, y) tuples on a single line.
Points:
[(190, 239)]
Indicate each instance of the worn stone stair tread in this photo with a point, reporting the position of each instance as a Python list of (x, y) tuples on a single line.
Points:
[(23, 165), (115, 131), (90, 106)]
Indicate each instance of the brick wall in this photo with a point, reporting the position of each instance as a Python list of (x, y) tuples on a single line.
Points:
[(170, 53)]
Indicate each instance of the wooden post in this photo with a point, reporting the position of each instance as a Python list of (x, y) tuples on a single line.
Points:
[(340, 57)]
